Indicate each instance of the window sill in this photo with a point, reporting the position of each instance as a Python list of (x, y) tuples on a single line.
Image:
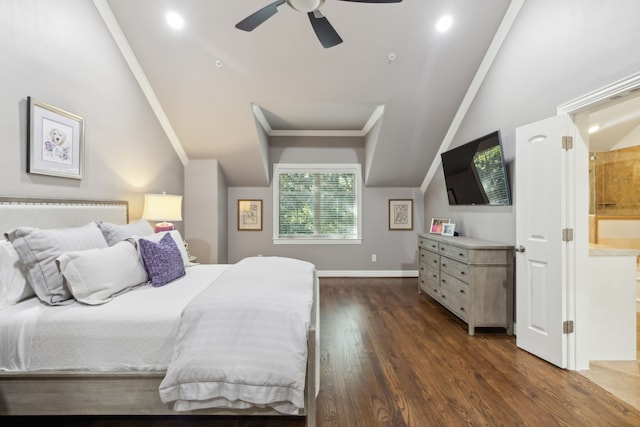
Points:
[(312, 241)]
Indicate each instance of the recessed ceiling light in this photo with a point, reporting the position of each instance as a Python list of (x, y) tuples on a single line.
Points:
[(444, 23), (594, 128), (174, 20)]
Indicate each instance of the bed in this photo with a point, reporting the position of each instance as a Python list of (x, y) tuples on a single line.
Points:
[(84, 350)]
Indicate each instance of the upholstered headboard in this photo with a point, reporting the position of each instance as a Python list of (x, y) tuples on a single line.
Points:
[(58, 213)]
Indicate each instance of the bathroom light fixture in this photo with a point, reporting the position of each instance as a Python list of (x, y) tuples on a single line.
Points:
[(594, 128), (162, 207)]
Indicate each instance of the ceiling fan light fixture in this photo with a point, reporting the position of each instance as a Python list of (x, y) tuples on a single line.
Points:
[(305, 6)]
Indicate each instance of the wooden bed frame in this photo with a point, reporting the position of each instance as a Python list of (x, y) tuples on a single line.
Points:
[(109, 393)]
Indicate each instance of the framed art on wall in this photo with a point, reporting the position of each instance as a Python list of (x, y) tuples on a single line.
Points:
[(401, 214), (436, 225), (249, 215), (55, 141)]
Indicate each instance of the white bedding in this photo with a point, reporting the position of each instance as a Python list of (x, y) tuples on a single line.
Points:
[(135, 331), (243, 342)]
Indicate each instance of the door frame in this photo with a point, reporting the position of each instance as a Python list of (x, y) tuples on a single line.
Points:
[(578, 177)]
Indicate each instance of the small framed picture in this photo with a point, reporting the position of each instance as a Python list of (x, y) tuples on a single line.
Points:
[(436, 225), (448, 229), (401, 214), (56, 141), (249, 215)]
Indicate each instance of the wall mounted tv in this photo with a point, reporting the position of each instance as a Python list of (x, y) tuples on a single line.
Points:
[(475, 173)]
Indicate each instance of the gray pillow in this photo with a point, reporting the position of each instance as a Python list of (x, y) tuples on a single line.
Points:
[(38, 250), (114, 233)]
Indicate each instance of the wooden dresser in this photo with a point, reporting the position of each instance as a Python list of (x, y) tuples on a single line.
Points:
[(471, 278)]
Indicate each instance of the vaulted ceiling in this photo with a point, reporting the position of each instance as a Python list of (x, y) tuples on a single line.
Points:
[(394, 85)]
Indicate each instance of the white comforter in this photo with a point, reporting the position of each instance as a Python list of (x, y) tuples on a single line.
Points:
[(243, 341), (136, 331)]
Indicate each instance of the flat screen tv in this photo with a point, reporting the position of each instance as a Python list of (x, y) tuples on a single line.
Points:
[(475, 173)]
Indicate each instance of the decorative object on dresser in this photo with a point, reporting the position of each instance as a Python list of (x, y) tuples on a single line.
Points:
[(249, 215), (436, 225), (448, 229), (164, 208), (472, 278), (400, 214), (56, 141)]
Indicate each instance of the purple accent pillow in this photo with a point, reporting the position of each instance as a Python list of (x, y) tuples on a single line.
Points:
[(162, 260)]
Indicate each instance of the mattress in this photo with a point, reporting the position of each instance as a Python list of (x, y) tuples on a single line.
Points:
[(134, 332)]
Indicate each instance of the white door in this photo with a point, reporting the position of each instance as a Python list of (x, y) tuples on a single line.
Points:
[(541, 253)]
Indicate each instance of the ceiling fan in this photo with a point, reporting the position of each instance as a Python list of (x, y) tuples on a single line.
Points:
[(324, 30)]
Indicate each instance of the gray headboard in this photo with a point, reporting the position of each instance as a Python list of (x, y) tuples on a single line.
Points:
[(59, 213)]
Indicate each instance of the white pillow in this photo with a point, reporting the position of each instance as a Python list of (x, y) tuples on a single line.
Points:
[(175, 235), (14, 286), (114, 233), (38, 250), (96, 276)]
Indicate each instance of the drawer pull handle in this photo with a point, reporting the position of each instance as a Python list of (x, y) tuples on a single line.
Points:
[(461, 308), (462, 273), (444, 265), (462, 291), (435, 261), (443, 249), (461, 255), (435, 276), (444, 281)]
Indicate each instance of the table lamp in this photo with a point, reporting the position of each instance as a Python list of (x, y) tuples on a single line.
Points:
[(164, 208)]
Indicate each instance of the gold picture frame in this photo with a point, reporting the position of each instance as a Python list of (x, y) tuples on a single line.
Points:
[(400, 214), (249, 215)]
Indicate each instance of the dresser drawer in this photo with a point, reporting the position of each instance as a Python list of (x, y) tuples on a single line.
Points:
[(429, 258), (430, 277), (457, 304), (423, 242), (455, 268), (453, 251), (454, 286)]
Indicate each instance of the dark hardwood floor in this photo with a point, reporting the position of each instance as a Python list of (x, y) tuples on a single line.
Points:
[(391, 357)]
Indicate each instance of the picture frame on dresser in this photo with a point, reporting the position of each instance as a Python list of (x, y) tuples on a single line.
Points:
[(400, 214), (55, 141), (436, 225), (448, 229), (249, 215)]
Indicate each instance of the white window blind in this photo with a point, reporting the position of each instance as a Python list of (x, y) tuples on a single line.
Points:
[(317, 203)]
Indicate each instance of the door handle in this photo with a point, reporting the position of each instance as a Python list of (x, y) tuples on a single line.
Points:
[(519, 248)]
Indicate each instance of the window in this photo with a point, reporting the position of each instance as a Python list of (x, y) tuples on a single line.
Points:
[(316, 203)]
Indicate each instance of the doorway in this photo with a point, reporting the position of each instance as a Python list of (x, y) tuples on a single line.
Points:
[(621, 378)]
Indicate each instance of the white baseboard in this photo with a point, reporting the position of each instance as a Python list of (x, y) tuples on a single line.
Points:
[(368, 273)]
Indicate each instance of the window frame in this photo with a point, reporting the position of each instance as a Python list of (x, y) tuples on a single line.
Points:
[(279, 168)]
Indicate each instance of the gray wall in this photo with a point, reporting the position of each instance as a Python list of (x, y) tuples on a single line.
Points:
[(61, 53), (555, 52), (396, 251), (205, 206)]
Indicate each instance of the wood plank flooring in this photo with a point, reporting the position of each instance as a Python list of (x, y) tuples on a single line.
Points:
[(391, 357)]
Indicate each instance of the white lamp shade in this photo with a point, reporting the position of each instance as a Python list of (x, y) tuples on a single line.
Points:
[(162, 207)]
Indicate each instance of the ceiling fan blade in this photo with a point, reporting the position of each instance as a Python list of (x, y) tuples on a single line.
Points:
[(374, 1), (327, 35), (252, 21)]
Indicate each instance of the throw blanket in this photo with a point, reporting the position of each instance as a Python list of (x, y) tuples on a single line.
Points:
[(243, 341)]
